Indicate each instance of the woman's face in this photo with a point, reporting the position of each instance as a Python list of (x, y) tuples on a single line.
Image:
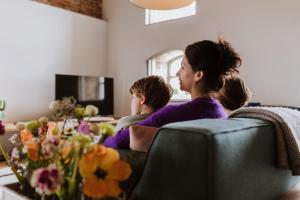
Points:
[(186, 76)]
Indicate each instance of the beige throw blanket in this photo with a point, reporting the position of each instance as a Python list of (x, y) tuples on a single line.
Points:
[(287, 125)]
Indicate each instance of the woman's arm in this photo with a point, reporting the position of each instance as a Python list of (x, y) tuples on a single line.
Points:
[(159, 118)]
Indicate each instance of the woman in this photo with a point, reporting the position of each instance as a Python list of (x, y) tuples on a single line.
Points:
[(202, 72)]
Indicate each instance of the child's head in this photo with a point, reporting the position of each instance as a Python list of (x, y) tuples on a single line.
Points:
[(151, 91), (234, 94)]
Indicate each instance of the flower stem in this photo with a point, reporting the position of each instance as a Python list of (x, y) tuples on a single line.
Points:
[(72, 181), (19, 177), (75, 167)]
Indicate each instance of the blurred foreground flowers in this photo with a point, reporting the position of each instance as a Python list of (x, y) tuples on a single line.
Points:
[(67, 160)]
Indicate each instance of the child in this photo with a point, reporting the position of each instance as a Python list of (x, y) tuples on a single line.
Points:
[(148, 95), (234, 94)]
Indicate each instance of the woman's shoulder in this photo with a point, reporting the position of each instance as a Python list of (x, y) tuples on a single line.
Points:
[(195, 105), (192, 103), (206, 105), (201, 101)]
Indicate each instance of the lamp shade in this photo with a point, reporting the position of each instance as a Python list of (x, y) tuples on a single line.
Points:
[(161, 4)]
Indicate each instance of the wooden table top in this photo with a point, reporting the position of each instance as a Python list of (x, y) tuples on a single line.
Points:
[(3, 164)]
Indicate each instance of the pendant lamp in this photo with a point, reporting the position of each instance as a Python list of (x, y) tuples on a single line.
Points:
[(161, 4)]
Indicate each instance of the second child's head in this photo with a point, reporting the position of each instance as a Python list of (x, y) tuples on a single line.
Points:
[(149, 94), (234, 94)]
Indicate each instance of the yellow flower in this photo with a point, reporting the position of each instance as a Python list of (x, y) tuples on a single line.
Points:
[(107, 128), (102, 169)]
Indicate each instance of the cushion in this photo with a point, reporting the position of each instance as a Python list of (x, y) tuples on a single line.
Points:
[(141, 137)]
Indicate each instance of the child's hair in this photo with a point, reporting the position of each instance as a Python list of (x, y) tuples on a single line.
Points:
[(156, 91), (215, 59), (234, 93)]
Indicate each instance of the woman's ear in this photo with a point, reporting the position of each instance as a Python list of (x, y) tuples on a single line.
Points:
[(198, 75)]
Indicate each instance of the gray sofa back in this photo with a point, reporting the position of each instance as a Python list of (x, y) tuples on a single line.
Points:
[(213, 159)]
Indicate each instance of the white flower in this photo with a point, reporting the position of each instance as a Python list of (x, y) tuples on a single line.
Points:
[(96, 139), (52, 105), (13, 139), (15, 154), (70, 124), (24, 165), (49, 147), (91, 110), (25, 149)]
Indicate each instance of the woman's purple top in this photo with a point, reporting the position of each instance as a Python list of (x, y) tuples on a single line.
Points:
[(198, 108)]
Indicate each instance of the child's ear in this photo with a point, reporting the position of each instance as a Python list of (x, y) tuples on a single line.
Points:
[(198, 75), (143, 99)]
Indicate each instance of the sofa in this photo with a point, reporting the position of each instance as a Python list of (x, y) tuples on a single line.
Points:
[(211, 159)]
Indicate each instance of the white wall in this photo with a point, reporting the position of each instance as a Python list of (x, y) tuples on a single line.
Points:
[(265, 33), (37, 41)]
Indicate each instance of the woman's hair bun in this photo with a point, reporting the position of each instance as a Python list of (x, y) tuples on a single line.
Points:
[(215, 59), (229, 59)]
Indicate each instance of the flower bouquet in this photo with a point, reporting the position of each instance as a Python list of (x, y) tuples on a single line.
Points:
[(55, 161)]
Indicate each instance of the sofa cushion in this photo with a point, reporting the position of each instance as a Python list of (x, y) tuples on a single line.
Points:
[(213, 159)]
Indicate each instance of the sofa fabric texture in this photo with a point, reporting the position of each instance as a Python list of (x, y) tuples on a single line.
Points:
[(213, 159)]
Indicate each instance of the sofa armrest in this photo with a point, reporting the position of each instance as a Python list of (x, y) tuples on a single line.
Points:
[(213, 159)]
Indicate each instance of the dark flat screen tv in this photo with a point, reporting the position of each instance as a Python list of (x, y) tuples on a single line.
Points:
[(97, 91)]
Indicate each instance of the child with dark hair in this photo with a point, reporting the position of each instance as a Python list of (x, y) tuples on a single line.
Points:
[(203, 70), (148, 95), (234, 94)]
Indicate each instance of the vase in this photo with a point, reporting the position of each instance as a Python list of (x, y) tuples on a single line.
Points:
[(13, 192)]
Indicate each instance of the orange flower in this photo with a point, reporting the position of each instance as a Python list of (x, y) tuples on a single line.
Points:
[(102, 169), (66, 149), (33, 148), (94, 187), (25, 136)]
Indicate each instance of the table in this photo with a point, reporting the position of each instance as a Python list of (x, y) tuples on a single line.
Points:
[(7, 177)]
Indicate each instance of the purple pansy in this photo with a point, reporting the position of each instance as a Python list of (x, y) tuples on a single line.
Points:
[(46, 180), (84, 128)]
